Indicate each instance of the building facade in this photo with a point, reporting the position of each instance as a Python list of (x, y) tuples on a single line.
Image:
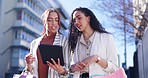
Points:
[(141, 22), (20, 23)]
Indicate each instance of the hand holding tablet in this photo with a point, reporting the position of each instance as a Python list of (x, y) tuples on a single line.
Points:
[(49, 52)]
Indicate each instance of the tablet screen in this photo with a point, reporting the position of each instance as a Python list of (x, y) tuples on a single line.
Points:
[(51, 51)]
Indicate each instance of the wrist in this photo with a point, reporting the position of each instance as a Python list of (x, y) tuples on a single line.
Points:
[(28, 71), (29, 67), (65, 73), (71, 69)]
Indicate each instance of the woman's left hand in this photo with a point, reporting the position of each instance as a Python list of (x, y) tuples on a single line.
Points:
[(89, 60), (56, 67)]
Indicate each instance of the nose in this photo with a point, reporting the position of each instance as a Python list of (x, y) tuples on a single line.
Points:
[(53, 22)]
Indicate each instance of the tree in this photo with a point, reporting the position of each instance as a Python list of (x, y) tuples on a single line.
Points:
[(141, 16), (122, 12)]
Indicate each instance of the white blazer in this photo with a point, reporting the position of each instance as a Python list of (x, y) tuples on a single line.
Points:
[(103, 45)]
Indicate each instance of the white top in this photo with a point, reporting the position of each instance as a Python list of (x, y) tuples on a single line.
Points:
[(101, 44)]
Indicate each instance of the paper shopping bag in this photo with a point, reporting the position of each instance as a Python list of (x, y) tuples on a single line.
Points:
[(120, 73)]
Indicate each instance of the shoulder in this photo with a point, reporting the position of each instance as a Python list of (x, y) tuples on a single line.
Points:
[(36, 40), (64, 40), (63, 37), (108, 37), (105, 35)]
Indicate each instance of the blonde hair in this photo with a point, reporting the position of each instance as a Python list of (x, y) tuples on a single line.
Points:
[(45, 17)]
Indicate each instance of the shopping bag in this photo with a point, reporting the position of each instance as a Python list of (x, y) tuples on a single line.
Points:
[(120, 73), (23, 76)]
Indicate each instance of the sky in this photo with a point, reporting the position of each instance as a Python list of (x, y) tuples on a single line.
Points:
[(70, 5)]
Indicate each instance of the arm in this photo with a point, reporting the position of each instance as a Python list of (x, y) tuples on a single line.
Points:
[(63, 70), (110, 63), (112, 60), (29, 59)]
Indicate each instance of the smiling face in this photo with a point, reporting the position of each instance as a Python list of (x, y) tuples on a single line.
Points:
[(52, 23), (81, 21)]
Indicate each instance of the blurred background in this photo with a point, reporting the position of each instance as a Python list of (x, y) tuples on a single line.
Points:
[(127, 20)]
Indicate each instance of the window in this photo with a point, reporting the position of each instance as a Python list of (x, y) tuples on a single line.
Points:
[(26, 36), (23, 35), (20, 0), (16, 34), (23, 53), (15, 56), (19, 15)]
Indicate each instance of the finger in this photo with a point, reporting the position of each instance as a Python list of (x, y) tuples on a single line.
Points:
[(29, 62), (28, 57), (83, 64), (78, 67), (30, 54), (84, 67), (53, 61), (58, 61), (50, 65), (33, 59), (55, 64)]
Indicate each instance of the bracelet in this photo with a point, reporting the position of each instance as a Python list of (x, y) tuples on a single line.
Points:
[(66, 74)]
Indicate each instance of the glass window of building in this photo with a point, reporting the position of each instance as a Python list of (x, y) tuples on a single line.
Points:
[(23, 53), (16, 34), (15, 56), (19, 15), (20, 0)]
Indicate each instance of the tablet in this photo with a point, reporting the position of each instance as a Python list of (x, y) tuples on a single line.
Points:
[(51, 51)]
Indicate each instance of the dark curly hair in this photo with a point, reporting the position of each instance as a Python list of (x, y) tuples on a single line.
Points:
[(75, 33)]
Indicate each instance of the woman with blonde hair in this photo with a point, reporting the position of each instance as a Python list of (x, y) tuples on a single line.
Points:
[(50, 36)]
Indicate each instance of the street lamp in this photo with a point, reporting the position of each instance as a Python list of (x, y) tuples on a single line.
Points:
[(124, 13)]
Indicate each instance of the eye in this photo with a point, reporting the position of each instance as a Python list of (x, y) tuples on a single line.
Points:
[(57, 20), (49, 20), (79, 18)]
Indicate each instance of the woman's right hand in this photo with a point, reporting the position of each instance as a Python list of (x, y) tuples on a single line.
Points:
[(29, 60), (77, 67)]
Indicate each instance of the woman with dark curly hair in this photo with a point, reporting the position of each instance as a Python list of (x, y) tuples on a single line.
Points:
[(93, 47)]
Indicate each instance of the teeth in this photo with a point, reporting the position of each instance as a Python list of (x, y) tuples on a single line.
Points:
[(53, 27)]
